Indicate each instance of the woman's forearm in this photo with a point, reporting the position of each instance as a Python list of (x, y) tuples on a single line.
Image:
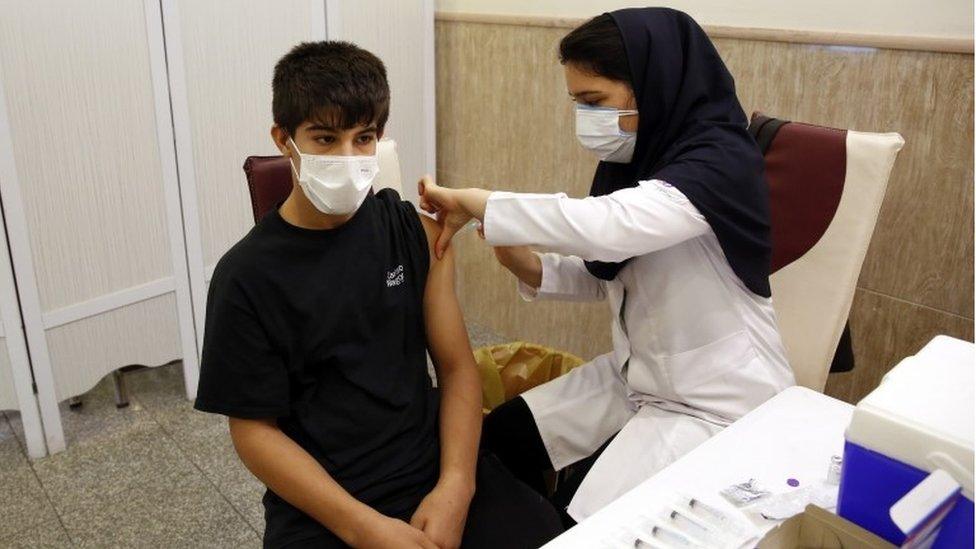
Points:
[(523, 263), (474, 202)]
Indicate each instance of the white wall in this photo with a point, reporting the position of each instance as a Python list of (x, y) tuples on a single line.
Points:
[(938, 18), (407, 49)]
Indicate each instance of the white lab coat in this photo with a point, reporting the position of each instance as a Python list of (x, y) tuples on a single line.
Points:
[(693, 348)]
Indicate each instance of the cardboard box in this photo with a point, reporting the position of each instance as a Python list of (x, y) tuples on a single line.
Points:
[(816, 528)]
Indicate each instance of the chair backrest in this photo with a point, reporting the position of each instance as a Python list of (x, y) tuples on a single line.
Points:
[(826, 189), (269, 177)]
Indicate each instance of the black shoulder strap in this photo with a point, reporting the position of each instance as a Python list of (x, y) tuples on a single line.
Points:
[(844, 355), (765, 134), (756, 123), (763, 129)]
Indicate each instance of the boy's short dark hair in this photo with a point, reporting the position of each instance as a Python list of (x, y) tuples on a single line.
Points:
[(335, 83)]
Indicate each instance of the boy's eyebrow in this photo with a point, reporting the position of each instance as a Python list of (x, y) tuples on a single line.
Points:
[(320, 127)]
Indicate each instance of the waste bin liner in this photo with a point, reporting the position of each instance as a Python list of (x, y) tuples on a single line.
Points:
[(509, 369)]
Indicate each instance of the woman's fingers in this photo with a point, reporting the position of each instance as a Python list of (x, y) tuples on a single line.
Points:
[(441, 201), (425, 204)]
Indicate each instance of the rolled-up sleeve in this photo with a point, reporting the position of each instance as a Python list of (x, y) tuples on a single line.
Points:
[(564, 278)]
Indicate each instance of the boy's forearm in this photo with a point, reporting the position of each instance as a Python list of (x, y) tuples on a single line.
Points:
[(294, 475), (460, 425)]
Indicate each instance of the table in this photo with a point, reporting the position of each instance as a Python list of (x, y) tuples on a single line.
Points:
[(793, 435)]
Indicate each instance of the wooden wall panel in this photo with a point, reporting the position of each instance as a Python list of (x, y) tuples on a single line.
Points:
[(922, 250), (505, 122), (887, 330)]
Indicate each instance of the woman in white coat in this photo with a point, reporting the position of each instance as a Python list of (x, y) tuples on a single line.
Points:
[(675, 236)]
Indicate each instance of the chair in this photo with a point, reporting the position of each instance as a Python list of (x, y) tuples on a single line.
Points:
[(269, 177), (826, 187)]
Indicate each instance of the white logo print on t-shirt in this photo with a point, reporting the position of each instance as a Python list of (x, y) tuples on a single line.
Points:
[(394, 277)]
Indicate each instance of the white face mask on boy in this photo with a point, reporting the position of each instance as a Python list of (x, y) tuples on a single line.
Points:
[(335, 185), (598, 130)]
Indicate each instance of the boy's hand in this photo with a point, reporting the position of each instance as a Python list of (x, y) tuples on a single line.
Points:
[(390, 533), (442, 514)]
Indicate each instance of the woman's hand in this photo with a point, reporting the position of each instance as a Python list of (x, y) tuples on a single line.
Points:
[(453, 207)]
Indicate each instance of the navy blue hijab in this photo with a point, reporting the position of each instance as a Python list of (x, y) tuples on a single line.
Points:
[(692, 134)]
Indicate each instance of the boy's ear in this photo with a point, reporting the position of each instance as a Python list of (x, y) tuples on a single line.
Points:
[(280, 138)]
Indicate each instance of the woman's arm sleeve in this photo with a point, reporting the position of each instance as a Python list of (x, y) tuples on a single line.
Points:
[(564, 278), (627, 223)]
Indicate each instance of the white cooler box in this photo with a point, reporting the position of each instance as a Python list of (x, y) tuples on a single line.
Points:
[(918, 420)]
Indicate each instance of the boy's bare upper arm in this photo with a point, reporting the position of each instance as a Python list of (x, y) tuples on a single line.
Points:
[(241, 427), (442, 269), (446, 333)]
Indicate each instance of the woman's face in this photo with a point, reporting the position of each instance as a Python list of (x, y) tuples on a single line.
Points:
[(590, 89)]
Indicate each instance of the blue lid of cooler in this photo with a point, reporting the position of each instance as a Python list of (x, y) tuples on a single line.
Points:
[(922, 412)]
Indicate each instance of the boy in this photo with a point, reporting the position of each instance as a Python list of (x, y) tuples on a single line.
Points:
[(317, 325)]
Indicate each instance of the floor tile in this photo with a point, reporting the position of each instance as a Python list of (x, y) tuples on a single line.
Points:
[(205, 439), (22, 502), (91, 475), (96, 419), (242, 489), (186, 512), (158, 388), (180, 420), (12, 453), (47, 535), (253, 511), (16, 426)]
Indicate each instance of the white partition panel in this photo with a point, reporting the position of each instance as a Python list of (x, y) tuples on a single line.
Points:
[(401, 33), (93, 214), (8, 394), (221, 61), (16, 382)]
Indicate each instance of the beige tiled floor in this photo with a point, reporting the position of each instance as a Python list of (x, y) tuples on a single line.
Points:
[(155, 474)]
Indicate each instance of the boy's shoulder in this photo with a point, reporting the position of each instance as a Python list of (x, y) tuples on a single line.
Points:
[(238, 262), (404, 211), (392, 204)]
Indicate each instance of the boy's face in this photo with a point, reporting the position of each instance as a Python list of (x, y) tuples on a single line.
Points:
[(314, 137)]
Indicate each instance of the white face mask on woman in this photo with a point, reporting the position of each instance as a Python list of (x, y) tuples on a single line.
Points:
[(335, 185), (598, 130)]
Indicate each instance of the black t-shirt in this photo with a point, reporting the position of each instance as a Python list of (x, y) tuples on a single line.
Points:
[(324, 330)]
